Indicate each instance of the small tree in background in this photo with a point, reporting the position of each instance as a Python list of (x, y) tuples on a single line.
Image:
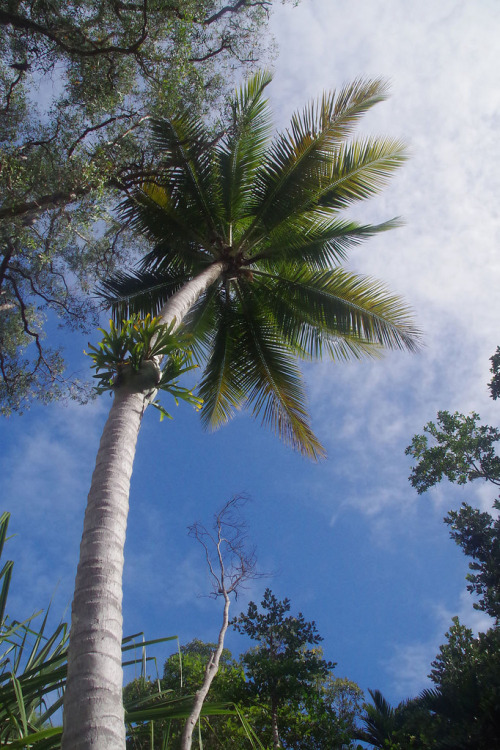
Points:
[(281, 669), (458, 448), (463, 708)]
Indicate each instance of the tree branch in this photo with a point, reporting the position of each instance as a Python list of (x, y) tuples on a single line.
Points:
[(231, 567), (239, 5), (26, 24)]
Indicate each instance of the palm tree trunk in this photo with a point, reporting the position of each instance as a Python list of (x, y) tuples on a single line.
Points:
[(182, 301), (93, 709)]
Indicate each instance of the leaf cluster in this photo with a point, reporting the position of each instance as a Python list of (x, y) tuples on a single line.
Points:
[(494, 384), (325, 721), (457, 448), (282, 667), (130, 355), (465, 700), (478, 534), (461, 450)]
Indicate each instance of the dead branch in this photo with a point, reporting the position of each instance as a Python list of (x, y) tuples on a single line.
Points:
[(231, 564)]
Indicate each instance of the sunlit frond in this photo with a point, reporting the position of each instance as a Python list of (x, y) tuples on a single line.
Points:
[(318, 242), (312, 309), (359, 170), (242, 151), (298, 157)]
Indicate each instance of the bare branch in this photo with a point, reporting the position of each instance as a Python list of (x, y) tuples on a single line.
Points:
[(230, 564), (6, 259), (51, 200), (93, 129)]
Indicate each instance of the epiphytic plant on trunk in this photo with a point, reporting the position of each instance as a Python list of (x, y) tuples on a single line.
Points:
[(248, 240)]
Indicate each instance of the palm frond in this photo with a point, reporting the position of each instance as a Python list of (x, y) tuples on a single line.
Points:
[(140, 293), (242, 151), (359, 170), (152, 212), (189, 164), (201, 322), (220, 388), (314, 309), (288, 178), (317, 241), (271, 381)]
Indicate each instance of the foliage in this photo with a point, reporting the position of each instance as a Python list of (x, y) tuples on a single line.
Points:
[(268, 211), (326, 721), (379, 721), (182, 676), (478, 533), (32, 671), (131, 355), (281, 670), (33, 667), (78, 83), (462, 710), (460, 449), (466, 700), (408, 725), (448, 666), (494, 384)]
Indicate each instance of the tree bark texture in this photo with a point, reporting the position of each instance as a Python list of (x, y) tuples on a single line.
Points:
[(182, 301), (274, 724), (93, 709), (93, 706)]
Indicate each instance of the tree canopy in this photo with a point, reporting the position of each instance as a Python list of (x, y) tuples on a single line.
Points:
[(461, 711), (461, 450), (285, 667), (78, 84), (323, 721)]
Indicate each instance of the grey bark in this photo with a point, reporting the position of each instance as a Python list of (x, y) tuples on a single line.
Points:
[(274, 724), (93, 709)]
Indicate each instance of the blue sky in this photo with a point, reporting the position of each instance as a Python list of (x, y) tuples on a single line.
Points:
[(348, 540)]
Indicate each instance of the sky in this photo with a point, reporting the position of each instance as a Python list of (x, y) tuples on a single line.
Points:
[(347, 540)]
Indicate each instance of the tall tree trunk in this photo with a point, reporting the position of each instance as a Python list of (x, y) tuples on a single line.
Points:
[(274, 724), (93, 709), (210, 671)]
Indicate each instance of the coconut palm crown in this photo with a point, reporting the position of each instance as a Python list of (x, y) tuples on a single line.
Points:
[(269, 212)]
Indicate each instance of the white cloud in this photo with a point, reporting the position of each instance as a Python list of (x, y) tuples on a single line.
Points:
[(45, 477), (410, 663), (409, 667)]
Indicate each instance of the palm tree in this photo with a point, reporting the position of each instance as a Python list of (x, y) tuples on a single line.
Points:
[(247, 241), (380, 722)]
